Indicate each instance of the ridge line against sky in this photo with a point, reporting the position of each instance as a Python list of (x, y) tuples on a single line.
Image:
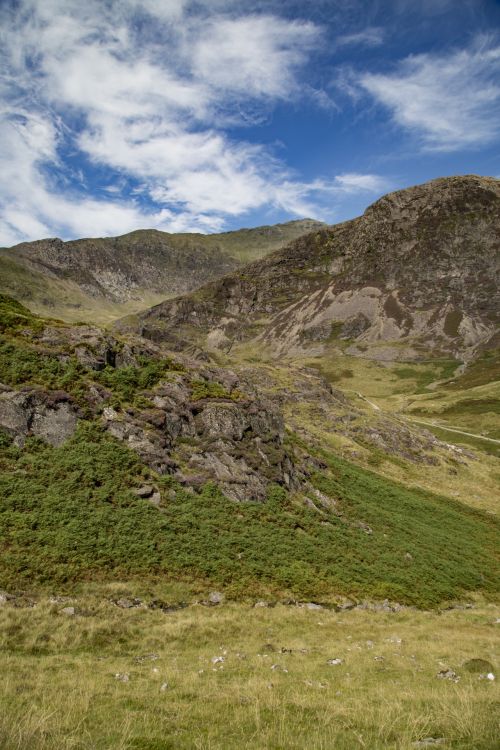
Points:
[(118, 114)]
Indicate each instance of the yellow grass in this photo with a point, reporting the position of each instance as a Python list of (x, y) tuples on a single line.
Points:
[(59, 689)]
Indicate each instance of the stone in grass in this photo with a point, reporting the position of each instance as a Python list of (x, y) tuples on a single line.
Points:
[(218, 660), (279, 668), (164, 687), (478, 666), (125, 603), (448, 674), (429, 742), (69, 611), (335, 662), (122, 676), (146, 657), (215, 597)]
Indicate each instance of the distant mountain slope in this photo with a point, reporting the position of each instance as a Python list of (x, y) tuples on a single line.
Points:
[(415, 276), (100, 279)]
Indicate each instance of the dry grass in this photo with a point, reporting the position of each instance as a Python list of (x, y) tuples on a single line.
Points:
[(59, 688)]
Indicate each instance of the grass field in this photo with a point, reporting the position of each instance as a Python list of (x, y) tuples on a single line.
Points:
[(233, 676)]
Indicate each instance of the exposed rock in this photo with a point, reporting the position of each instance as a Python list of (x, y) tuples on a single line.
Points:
[(215, 597), (5, 597), (448, 674), (51, 416), (125, 603), (279, 668), (146, 491), (147, 657), (430, 742)]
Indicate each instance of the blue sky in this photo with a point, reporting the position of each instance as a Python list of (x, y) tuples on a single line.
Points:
[(216, 114)]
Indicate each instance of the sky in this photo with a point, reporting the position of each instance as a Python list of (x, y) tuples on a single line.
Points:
[(212, 115)]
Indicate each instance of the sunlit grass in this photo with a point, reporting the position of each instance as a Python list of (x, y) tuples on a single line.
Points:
[(59, 688)]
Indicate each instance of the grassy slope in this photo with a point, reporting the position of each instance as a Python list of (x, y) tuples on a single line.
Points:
[(63, 299), (68, 514), (393, 387)]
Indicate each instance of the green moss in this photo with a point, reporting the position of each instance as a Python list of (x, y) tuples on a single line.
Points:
[(201, 389)]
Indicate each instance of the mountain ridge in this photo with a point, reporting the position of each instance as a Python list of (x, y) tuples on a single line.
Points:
[(414, 276), (108, 277)]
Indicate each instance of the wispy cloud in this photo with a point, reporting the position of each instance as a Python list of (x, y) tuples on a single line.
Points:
[(373, 36), (450, 101)]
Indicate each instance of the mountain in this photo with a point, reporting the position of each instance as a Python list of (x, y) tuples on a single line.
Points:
[(261, 434), (415, 277), (102, 279)]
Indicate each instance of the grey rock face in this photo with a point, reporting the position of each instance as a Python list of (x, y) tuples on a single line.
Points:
[(236, 443), (50, 416)]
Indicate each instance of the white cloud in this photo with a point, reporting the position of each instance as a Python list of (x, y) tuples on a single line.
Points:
[(373, 36), (353, 182), (450, 101), (29, 209), (89, 86), (254, 55)]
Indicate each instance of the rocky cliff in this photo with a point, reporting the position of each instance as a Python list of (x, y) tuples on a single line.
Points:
[(416, 276)]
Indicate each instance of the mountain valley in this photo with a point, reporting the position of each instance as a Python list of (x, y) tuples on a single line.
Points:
[(278, 485)]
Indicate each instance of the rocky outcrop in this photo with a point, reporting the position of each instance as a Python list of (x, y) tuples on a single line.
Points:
[(51, 416), (195, 421), (234, 439)]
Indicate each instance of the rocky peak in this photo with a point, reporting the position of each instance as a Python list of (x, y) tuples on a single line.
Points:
[(417, 274)]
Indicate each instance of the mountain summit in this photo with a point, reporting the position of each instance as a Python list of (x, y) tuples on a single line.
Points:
[(415, 276)]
